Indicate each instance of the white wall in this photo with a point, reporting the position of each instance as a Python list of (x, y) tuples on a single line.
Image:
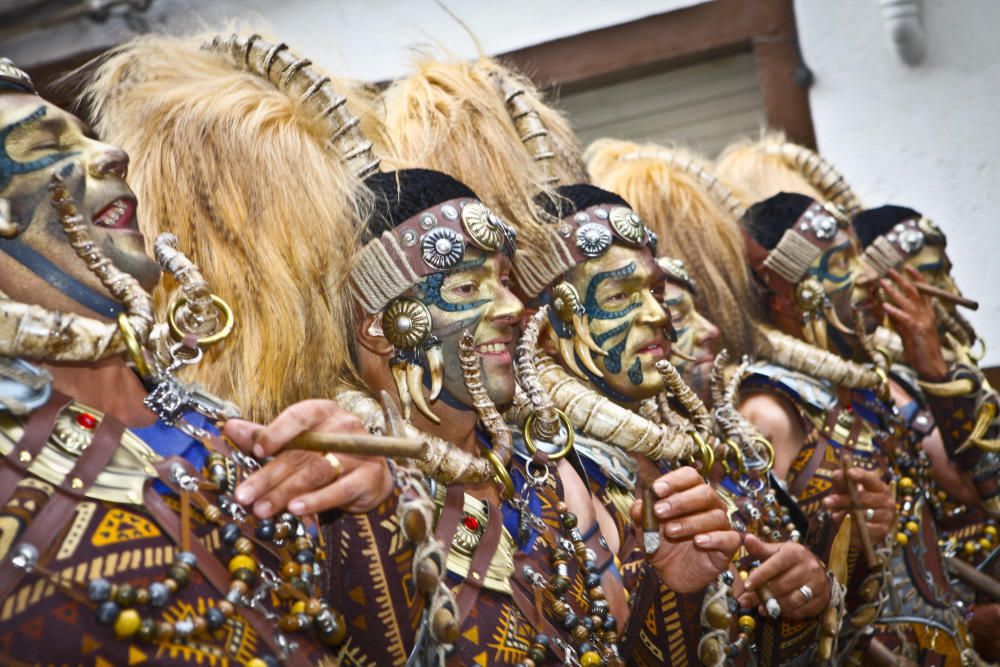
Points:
[(926, 136), (367, 39)]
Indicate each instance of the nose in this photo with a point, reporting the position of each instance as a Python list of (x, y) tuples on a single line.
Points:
[(111, 161), (507, 309), (707, 332), (651, 312)]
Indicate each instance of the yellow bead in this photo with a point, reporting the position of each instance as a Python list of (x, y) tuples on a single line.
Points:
[(912, 526), (747, 623), (590, 659), (299, 607), (127, 623), (902, 539), (969, 547), (991, 531), (905, 483), (242, 563), (256, 662), (744, 574), (985, 543)]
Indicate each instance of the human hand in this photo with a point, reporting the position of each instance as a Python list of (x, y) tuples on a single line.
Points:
[(873, 494), (697, 539), (786, 567), (912, 314), (307, 482)]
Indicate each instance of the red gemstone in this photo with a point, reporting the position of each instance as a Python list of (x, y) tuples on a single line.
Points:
[(470, 522), (86, 421)]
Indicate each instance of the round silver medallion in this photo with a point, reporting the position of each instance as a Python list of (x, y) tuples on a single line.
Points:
[(581, 217), (442, 248), (565, 230), (601, 213), (449, 212), (427, 220), (409, 237), (911, 240), (824, 227), (593, 239)]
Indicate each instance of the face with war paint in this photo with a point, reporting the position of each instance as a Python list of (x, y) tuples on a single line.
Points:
[(37, 139), (696, 338), (839, 270), (475, 296), (621, 293), (933, 263)]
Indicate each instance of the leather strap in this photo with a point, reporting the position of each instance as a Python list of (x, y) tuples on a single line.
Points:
[(36, 434), (47, 526), (451, 514), (481, 559), (216, 574), (59, 279)]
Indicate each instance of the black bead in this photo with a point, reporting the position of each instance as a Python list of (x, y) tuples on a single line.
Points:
[(271, 661), (265, 530), (568, 520), (304, 557), (588, 623), (99, 590), (584, 647), (147, 630), (570, 621), (248, 577), (214, 618), (230, 533), (610, 623), (107, 612), (180, 574), (593, 580), (542, 639)]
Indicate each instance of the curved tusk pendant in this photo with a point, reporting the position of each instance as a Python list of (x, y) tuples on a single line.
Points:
[(583, 352), (415, 387), (398, 368), (681, 355), (582, 329), (435, 364), (831, 316), (819, 333), (566, 352)]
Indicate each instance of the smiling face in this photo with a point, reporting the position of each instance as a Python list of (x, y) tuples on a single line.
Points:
[(696, 337), (37, 139), (475, 296), (621, 292)]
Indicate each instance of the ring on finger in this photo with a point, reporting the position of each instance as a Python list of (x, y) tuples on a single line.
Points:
[(338, 467), (806, 592), (869, 514)]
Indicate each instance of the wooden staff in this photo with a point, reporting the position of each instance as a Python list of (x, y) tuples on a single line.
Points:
[(980, 581), (359, 445), (858, 514), (945, 295)]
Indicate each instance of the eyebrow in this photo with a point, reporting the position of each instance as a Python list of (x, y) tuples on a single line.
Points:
[(675, 301)]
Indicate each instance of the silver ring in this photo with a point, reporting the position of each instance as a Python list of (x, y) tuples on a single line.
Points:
[(806, 592), (869, 514)]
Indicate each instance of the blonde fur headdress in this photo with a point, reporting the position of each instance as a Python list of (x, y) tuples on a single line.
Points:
[(756, 170), (487, 126), (696, 219), (240, 168)]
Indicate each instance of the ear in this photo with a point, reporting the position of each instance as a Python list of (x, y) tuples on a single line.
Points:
[(371, 337)]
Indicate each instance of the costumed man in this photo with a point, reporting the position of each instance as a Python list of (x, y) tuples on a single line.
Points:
[(803, 254), (122, 541), (961, 403), (695, 215), (587, 265), (762, 168), (429, 289)]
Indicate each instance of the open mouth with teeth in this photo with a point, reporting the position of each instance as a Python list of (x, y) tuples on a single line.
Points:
[(116, 215), (495, 350), (656, 348)]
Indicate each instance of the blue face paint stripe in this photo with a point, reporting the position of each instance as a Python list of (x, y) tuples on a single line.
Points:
[(930, 266), (823, 271), (601, 338), (9, 167), (430, 288), (590, 301), (613, 361), (635, 372)]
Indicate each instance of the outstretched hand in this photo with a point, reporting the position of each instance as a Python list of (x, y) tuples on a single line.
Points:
[(697, 538), (786, 567), (912, 314), (304, 482), (873, 494)]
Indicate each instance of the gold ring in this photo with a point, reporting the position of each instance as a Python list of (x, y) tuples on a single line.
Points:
[(338, 467), (738, 454), (500, 475), (707, 455), (883, 388), (227, 327), (529, 440), (133, 346), (770, 450)]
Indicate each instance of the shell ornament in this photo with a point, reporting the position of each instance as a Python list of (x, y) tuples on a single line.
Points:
[(593, 239), (483, 226), (406, 323), (566, 302), (628, 225), (442, 248)]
